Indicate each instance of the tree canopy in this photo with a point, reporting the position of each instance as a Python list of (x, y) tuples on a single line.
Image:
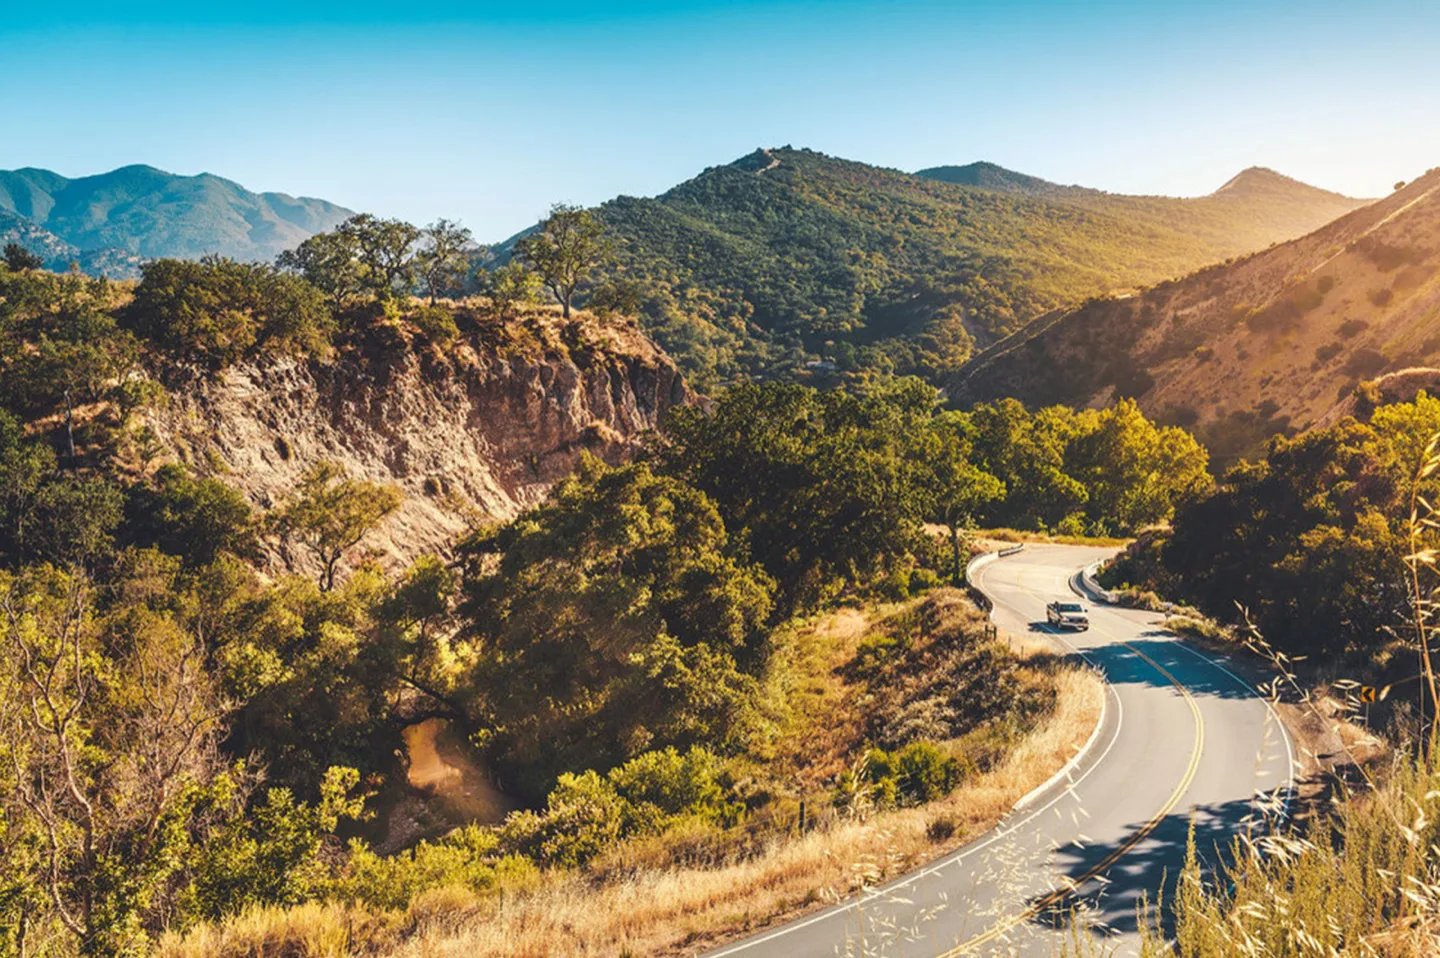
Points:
[(615, 618)]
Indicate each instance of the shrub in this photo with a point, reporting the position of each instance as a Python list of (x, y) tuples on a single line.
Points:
[(217, 311), (923, 580), (467, 858), (197, 519), (920, 772), (582, 817), (1365, 362), (588, 813), (941, 828), (436, 323), (662, 785), (925, 773)]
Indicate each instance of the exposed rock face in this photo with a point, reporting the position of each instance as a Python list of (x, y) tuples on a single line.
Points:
[(472, 433)]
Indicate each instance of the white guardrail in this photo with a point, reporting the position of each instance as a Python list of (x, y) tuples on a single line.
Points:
[(1091, 584), (1087, 585), (977, 563)]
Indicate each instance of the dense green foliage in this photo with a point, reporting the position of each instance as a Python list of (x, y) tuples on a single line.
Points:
[(834, 487), (586, 814), (918, 773), (1099, 472), (759, 266), (830, 486), (218, 311), (614, 616), (1309, 541)]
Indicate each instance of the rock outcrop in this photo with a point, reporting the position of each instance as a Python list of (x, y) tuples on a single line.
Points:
[(472, 432)]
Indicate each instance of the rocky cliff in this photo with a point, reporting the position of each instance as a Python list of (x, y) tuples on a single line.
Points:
[(473, 431)]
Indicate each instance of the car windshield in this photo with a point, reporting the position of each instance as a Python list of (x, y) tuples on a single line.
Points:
[(1071, 607)]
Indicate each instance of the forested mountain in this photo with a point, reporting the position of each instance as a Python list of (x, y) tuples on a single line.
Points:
[(789, 256), (139, 211), (992, 176), (1247, 349)]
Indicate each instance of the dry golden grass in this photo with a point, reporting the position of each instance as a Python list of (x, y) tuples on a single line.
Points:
[(1000, 538), (676, 910)]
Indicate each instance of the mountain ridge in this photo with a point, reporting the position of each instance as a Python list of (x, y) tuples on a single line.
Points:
[(1268, 343), (146, 212), (788, 260)]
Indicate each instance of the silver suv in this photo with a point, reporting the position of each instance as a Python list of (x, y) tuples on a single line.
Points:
[(1067, 615)]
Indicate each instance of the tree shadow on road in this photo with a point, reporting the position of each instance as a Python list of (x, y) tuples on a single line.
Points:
[(1125, 664), (1111, 896)]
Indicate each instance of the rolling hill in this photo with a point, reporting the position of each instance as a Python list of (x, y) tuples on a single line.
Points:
[(1242, 350), (141, 212), (789, 257)]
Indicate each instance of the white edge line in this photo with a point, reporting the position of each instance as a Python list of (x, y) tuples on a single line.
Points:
[(999, 831)]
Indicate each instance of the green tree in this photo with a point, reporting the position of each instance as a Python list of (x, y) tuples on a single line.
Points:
[(20, 259), (442, 257), (65, 353), (331, 263), (622, 598), (104, 737), (331, 513), (25, 466), (512, 287), (197, 519), (217, 311), (1026, 452), (1134, 472), (1307, 541), (829, 486), (386, 251), (75, 520), (567, 247), (959, 489), (416, 634)]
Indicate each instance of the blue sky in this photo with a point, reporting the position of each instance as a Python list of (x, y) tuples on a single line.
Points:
[(490, 112)]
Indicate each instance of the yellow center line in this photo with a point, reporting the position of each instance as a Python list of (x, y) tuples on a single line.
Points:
[(1059, 895)]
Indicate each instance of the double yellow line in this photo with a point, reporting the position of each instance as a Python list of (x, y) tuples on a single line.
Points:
[(1059, 895)]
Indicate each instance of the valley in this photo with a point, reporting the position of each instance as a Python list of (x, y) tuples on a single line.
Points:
[(620, 595)]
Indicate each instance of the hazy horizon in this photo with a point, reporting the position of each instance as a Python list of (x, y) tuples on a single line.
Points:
[(489, 114)]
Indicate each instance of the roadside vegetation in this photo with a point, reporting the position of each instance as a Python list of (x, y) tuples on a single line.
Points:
[(1338, 594), (672, 884), (1307, 544)]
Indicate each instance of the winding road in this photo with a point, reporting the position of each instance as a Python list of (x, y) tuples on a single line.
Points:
[(1183, 740)]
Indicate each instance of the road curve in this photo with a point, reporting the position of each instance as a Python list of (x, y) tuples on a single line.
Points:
[(1182, 740)]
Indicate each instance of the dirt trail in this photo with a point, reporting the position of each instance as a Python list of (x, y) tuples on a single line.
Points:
[(440, 766)]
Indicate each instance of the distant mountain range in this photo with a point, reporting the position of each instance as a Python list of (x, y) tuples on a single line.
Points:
[(1273, 342), (112, 221), (788, 260)]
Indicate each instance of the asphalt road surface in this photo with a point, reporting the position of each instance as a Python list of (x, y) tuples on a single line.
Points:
[(1182, 741)]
